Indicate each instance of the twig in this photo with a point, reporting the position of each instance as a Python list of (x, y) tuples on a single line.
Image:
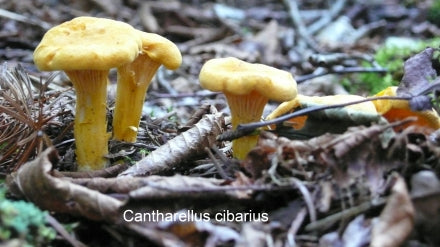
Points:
[(295, 16), (329, 60), (246, 129), (295, 226), (307, 198), (197, 115), (219, 168), (337, 7), (21, 18), (62, 231), (363, 207), (345, 70)]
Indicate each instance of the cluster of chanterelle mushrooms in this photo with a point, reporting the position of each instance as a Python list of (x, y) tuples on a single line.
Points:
[(86, 48)]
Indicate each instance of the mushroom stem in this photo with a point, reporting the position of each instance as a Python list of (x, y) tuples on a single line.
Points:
[(133, 81), (245, 109), (90, 128)]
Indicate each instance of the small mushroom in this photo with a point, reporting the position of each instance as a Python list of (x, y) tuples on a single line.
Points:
[(395, 110), (134, 79), (86, 48), (247, 87)]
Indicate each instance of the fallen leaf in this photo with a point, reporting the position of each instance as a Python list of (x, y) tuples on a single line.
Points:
[(354, 154), (35, 182), (184, 187), (397, 218), (419, 80), (418, 73)]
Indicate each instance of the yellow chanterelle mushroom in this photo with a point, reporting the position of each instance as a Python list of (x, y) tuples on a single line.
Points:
[(247, 87), (134, 79), (86, 48), (395, 110)]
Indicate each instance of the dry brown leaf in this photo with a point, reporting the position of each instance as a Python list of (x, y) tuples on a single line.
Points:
[(163, 187), (121, 185), (356, 136), (184, 146), (34, 181), (159, 187), (396, 220)]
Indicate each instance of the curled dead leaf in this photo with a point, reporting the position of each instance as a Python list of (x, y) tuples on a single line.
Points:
[(188, 144), (159, 187), (35, 182)]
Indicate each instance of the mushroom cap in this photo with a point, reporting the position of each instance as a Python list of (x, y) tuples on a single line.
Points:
[(384, 106), (394, 110), (365, 107), (87, 43), (233, 76), (161, 50)]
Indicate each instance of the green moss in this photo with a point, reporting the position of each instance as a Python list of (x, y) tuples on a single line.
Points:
[(391, 57), (23, 220), (433, 13)]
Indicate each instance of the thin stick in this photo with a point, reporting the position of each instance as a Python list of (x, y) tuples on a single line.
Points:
[(246, 129), (21, 18), (295, 16), (303, 78)]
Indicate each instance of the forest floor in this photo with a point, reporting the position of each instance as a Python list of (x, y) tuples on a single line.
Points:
[(349, 177)]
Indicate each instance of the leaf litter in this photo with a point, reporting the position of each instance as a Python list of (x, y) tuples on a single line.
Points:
[(366, 184), (344, 172)]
